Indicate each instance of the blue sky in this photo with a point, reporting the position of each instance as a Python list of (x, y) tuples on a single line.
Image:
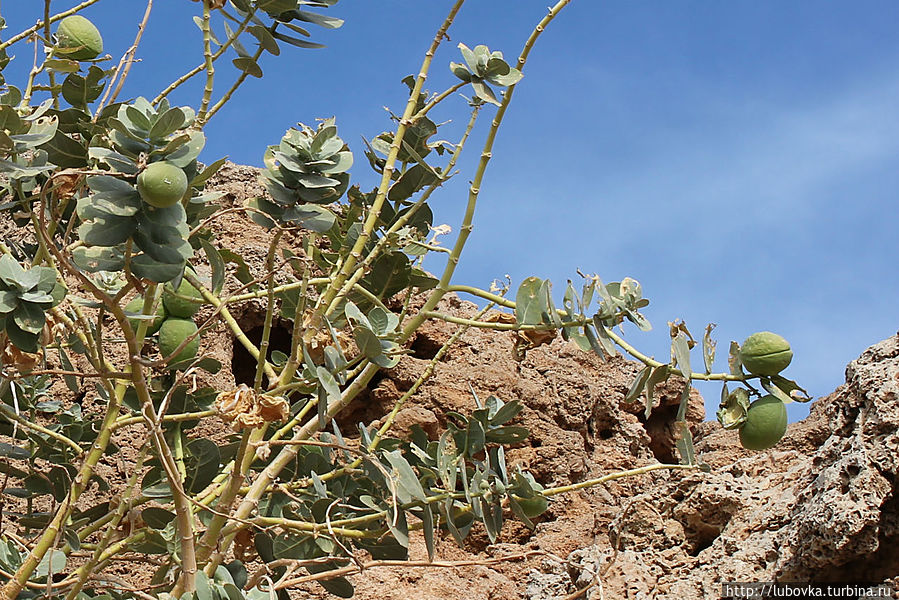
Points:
[(740, 159)]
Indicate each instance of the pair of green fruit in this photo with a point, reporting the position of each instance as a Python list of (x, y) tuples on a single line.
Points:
[(766, 354), (173, 321), (161, 184)]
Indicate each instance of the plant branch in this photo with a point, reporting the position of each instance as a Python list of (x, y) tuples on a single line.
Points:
[(12, 416), (475, 188), (269, 311), (209, 63), (234, 87), (371, 221), (124, 66), (401, 222), (564, 489), (203, 65)]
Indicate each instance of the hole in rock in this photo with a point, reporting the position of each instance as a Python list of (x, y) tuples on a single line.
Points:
[(243, 365), (662, 436), (424, 347), (703, 539)]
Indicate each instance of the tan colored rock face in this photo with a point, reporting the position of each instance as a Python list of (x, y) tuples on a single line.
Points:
[(819, 507)]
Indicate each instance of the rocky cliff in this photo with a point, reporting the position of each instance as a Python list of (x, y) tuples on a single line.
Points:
[(820, 506)]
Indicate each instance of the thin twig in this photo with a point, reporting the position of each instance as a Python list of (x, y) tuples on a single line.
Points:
[(124, 66), (440, 564)]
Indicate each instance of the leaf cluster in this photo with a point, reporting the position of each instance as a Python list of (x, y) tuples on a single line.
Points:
[(25, 297), (481, 67)]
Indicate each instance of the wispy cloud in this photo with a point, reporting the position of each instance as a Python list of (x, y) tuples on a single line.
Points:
[(763, 162)]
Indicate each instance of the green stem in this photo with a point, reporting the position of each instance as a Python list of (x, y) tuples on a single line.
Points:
[(124, 66), (315, 528), (278, 289), (191, 416), (29, 86), (296, 420), (502, 326), (564, 489), (209, 66), (12, 416), (234, 87), (651, 362), (269, 310), (203, 65), (371, 221), (94, 527), (52, 75), (362, 268), (474, 189), (241, 466), (437, 100), (496, 299)]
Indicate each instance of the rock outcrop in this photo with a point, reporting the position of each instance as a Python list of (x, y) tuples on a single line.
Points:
[(821, 507)]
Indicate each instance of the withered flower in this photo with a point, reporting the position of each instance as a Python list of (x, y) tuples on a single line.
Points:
[(245, 409), (526, 339), (317, 337), (11, 356)]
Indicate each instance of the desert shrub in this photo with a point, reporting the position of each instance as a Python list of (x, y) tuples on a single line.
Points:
[(99, 298)]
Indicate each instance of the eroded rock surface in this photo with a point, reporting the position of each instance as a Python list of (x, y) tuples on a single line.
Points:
[(820, 507)]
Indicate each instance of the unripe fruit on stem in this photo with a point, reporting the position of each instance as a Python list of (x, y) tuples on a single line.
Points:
[(765, 425), (78, 34), (162, 184), (174, 331), (765, 353), (177, 307), (136, 306)]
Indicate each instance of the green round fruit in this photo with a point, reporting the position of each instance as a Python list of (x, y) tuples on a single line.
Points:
[(162, 184), (136, 306), (79, 35), (765, 353), (765, 425), (172, 333), (178, 307)]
